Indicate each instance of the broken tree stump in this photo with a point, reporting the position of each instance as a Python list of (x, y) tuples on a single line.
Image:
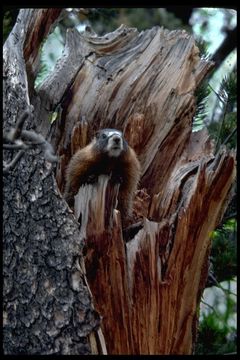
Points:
[(146, 290)]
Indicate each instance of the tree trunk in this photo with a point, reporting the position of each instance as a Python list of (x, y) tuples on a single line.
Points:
[(47, 307), (148, 289)]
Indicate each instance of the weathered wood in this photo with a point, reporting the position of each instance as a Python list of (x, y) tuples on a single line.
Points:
[(147, 291), (26, 37), (105, 261), (143, 83)]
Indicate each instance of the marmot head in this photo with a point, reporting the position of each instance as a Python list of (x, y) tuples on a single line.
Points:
[(111, 142)]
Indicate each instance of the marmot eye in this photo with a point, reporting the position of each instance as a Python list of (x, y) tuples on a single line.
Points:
[(104, 136)]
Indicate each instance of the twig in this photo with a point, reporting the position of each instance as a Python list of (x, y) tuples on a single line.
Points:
[(220, 130), (218, 96), (231, 216), (16, 136), (226, 291), (218, 285), (16, 146), (211, 307), (19, 125), (38, 139), (229, 136), (10, 165)]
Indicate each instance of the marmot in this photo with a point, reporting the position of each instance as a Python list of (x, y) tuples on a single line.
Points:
[(108, 153)]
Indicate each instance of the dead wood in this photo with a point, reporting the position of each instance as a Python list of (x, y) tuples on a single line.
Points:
[(146, 290), (143, 83)]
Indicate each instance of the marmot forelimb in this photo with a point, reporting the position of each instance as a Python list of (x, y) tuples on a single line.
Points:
[(108, 153)]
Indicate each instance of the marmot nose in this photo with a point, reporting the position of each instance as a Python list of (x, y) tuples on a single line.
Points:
[(116, 140)]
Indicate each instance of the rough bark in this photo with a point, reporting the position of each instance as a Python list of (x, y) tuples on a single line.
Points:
[(47, 306), (147, 291)]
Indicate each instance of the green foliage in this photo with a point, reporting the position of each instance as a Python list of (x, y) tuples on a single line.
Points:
[(201, 94), (203, 90), (9, 18), (103, 14), (106, 20), (215, 335), (42, 74), (203, 47), (50, 49), (217, 327), (103, 20), (224, 131), (7, 26), (224, 248), (145, 18), (229, 87)]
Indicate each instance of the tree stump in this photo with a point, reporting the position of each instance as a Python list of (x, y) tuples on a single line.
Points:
[(147, 290)]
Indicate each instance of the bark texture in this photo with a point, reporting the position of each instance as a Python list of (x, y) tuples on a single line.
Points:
[(146, 290), (47, 306)]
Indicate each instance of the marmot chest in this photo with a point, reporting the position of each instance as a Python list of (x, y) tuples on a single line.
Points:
[(109, 166)]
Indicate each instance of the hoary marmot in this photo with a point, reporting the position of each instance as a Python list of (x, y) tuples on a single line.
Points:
[(108, 153)]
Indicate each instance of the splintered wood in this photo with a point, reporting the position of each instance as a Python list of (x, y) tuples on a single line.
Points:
[(147, 291)]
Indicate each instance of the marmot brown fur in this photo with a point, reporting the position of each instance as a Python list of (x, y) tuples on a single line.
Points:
[(110, 154)]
